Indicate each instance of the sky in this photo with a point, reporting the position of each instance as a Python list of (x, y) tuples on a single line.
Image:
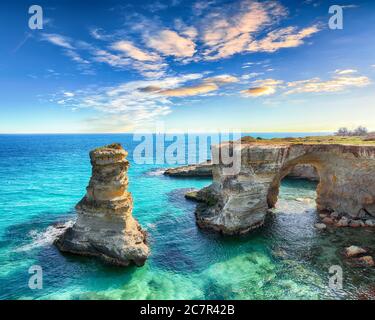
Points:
[(186, 66)]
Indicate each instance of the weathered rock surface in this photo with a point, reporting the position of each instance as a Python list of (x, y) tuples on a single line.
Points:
[(196, 170), (320, 226), (303, 171), (105, 227), (354, 251), (239, 202), (367, 261)]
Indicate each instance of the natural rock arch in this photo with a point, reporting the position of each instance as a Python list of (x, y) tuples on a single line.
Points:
[(273, 191), (239, 202)]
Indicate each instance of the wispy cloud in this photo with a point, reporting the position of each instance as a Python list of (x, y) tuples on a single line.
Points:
[(70, 48), (226, 33), (336, 84), (225, 30), (346, 71), (130, 50), (138, 104), (341, 81), (201, 88), (264, 87), (170, 43), (288, 37), (58, 40)]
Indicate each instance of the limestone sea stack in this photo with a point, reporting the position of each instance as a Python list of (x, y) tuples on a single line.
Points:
[(105, 227)]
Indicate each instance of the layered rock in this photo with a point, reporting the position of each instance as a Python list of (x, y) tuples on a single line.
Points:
[(239, 202), (105, 227), (303, 171), (196, 170)]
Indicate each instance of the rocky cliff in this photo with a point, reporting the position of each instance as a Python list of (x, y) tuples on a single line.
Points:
[(303, 171), (105, 227), (238, 203)]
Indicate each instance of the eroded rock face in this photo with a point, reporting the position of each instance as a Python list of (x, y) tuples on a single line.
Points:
[(302, 171), (105, 227), (238, 203), (195, 170)]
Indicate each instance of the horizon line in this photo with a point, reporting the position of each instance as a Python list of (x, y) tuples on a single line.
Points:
[(169, 132)]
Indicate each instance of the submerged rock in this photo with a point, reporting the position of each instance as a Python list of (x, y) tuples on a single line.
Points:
[(356, 223), (320, 226), (370, 223), (328, 220), (105, 227), (354, 251), (367, 260), (343, 222)]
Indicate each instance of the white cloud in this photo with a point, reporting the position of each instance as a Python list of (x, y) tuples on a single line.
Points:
[(198, 89), (136, 104), (132, 51), (68, 94), (283, 38), (258, 91), (250, 75), (263, 87), (111, 59), (336, 84), (222, 79), (58, 40), (227, 33), (170, 43), (346, 71)]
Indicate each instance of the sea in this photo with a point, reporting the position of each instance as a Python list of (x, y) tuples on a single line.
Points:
[(42, 177)]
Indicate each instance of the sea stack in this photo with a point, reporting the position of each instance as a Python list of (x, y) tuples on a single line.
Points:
[(105, 227)]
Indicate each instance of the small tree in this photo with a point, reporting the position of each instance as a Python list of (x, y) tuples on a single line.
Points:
[(342, 132), (360, 131)]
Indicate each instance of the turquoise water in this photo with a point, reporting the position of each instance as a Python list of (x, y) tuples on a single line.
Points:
[(44, 176)]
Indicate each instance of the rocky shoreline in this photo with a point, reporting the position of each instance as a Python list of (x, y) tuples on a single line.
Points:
[(238, 203), (338, 220), (105, 227)]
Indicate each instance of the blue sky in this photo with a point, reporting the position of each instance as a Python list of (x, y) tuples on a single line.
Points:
[(198, 66)]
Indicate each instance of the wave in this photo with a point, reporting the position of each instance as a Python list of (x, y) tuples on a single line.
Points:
[(155, 172), (46, 237)]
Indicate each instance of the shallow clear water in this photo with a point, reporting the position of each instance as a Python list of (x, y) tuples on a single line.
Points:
[(44, 176)]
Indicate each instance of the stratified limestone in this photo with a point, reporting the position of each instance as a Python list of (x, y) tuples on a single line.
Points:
[(195, 170), (239, 202), (105, 227), (303, 171)]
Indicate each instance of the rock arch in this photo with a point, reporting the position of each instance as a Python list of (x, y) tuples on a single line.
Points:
[(239, 202), (273, 191)]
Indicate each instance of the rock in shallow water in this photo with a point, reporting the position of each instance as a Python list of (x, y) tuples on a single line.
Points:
[(105, 227), (354, 251), (367, 260), (320, 226)]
